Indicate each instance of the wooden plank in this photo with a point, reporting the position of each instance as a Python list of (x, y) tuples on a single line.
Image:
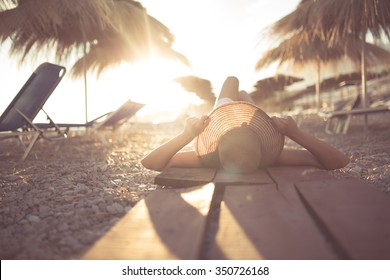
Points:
[(355, 214), (184, 177), (226, 178), (168, 224), (286, 176), (291, 174), (257, 222)]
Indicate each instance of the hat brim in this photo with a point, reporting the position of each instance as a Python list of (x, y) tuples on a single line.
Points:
[(235, 114)]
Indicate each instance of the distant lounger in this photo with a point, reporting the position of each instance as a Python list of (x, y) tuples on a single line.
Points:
[(110, 121), (17, 119), (338, 121)]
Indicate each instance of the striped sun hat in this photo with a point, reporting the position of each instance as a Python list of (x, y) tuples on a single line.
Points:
[(240, 138)]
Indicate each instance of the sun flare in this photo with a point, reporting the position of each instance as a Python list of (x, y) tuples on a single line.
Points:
[(150, 82)]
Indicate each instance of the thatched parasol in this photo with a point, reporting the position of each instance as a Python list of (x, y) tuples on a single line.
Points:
[(267, 87), (67, 26), (300, 52), (136, 36), (100, 32), (336, 19), (62, 25), (201, 87), (333, 20)]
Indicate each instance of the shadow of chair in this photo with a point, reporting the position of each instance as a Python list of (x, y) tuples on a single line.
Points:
[(17, 119)]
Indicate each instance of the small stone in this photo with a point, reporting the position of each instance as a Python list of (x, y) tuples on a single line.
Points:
[(119, 208), (33, 219), (95, 209), (111, 209), (63, 227)]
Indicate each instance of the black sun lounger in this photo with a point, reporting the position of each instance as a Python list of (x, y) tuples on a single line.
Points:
[(17, 119)]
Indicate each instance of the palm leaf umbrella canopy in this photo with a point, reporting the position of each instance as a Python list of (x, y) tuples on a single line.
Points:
[(333, 20), (300, 52), (267, 87), (101, 33), (201, 87), (66, 26), (136, 36), (60, 24)]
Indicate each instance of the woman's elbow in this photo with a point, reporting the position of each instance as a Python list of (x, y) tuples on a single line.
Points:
[(149, 164)]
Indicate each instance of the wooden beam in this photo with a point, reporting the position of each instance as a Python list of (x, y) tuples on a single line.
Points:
[(290, 174), (184, 177), (258, 177), (355, 215), (167, 224), (257, 222)]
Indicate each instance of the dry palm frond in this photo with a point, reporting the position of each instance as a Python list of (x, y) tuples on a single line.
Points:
[(300, 51), (353, 17), (63, 25), (201, 87), (333, 20), (300, 19), (105, 31), (136, 36)]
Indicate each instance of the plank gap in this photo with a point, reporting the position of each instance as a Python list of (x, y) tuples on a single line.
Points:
[(335, 245)]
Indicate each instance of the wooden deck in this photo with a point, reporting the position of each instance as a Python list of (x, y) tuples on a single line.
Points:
[(278, 213)]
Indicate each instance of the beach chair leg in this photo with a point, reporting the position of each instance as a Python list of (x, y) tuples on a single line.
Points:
[(346, 124), (328, 126), (102, 137), (59, 145), (21, 142), (32, 142), (338, 125)]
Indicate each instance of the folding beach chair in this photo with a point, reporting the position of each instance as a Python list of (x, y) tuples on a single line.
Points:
[(338, 121), (17, 119), (109, 121), (115, 119)]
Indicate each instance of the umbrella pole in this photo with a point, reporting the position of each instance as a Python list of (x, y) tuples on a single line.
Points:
[(364, 85), (318, 85), (85, 84), (85, 96)]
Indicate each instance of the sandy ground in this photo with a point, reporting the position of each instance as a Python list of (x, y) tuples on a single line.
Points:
[(56, 205)]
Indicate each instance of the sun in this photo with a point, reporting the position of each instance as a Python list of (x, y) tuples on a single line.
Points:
[(150, 82)]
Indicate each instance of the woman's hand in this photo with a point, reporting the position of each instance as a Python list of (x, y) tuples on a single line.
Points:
[(168, 154), (195, 126), (287, 126)]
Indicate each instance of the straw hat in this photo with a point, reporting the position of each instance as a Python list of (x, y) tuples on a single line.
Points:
[(240, 137)]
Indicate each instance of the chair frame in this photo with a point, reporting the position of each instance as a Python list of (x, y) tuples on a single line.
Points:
[(339, 121), (112, 120), (17, 119)]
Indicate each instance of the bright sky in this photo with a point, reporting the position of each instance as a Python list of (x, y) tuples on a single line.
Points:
[(219, 37)]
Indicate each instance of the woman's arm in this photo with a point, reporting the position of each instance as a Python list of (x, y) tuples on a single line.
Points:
[(317, 153), (168, 154)]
